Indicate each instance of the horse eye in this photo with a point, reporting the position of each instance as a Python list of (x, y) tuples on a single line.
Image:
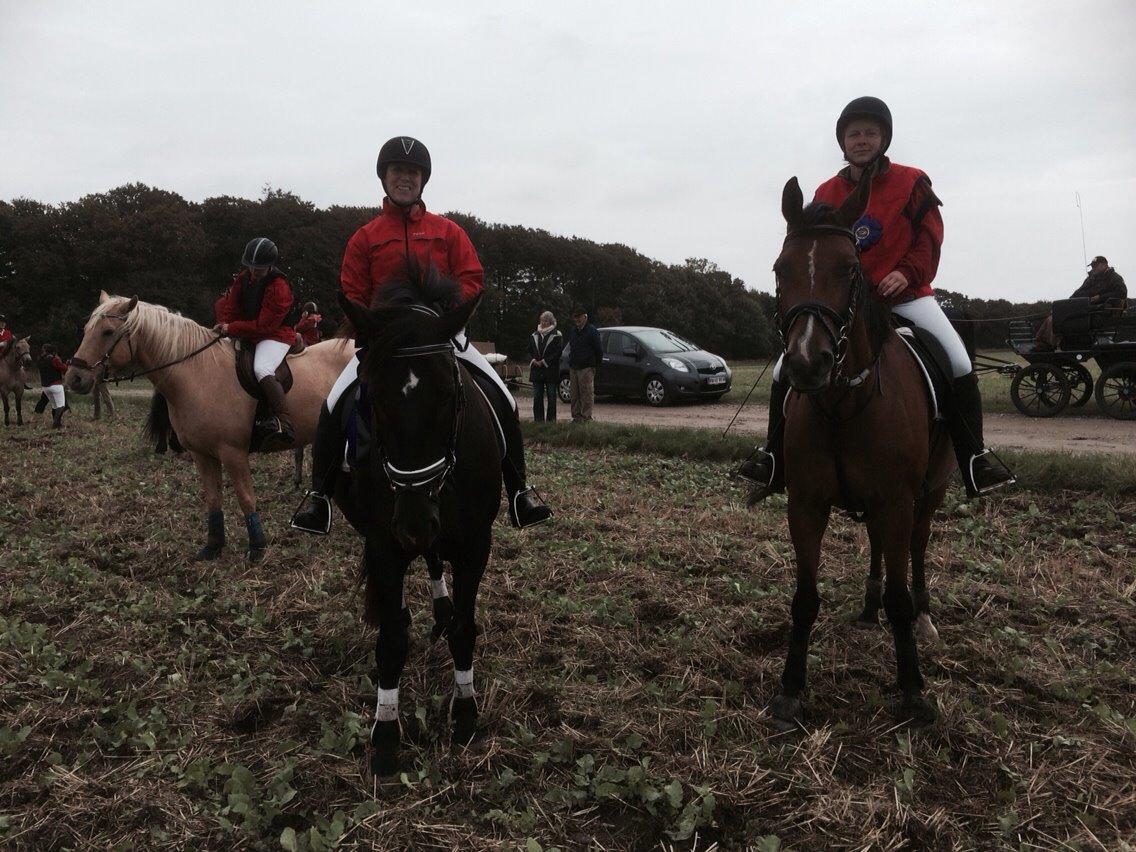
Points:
[(107, 332)]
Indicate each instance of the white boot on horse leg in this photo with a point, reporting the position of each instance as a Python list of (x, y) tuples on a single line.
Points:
[(925, 629), (463, 707)]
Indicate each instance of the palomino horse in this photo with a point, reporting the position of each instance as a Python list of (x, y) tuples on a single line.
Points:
[(195, 372), (859, 434), (14, 368), (430, 486)]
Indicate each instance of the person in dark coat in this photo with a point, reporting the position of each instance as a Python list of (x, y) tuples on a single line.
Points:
[(584, 355), (1103, 287), (545, 346)]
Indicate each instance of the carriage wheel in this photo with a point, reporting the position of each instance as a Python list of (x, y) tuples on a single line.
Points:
[(1081, 384), (1116, 390), (1040, 390)]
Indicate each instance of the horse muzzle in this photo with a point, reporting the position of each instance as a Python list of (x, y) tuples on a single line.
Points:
[(78, 380), (811, 374), (415, 521)]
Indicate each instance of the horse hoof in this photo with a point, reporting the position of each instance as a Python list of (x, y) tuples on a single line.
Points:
[(865, 619), (785, 711), (925, 629), (209, 553), (255, 555), (463, 717), (385, 740), (916, 709)]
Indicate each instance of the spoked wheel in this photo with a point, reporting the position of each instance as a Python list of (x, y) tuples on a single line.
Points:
[(1116, 390), (1040, 390), (1080, 384)]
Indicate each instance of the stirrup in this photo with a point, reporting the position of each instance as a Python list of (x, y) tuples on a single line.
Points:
[(534, 502), (741, 473), (319, 503), (1010, 480)]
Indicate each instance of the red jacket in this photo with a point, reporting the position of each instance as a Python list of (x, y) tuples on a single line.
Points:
[(268, 323), (378, 252), (902, 228), (5, 341), (308, 328)]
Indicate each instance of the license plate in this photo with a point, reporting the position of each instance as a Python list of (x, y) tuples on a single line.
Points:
[(716, 380)]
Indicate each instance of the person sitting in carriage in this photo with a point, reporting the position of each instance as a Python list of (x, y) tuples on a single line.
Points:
[(253, 309), (1105, 290), (402, 238), (899, 239), (309, 325)]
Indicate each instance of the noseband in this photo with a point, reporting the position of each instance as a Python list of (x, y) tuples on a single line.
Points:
[(432, 477), (843, 322), (83, 365)]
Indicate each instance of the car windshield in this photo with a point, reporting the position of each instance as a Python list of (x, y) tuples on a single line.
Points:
[(664, 342)]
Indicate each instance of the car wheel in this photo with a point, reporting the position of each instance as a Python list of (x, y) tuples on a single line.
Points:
[(656, 391), (564, 390)]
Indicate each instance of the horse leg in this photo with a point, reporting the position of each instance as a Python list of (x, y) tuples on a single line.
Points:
[(298, 469), (19, 395), (237, 465), (874, 587), (443, 606), (209, 470), (4, 396), (461, 635), (895, 526), (385, 579), (807, 524), (920, 535)]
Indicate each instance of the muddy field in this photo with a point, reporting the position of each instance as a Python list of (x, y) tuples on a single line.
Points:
[(626, 658)]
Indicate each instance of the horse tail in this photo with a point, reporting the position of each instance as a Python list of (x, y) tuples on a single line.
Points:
[(158, 430)]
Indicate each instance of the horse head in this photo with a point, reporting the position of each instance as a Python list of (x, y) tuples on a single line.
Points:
[(416, 397), (108, 326), (819, 285), (21, 353)]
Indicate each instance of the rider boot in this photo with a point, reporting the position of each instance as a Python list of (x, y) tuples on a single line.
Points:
[(314, 514), (57, 417), (284, 437), (41, 403), (765, 467), (982, 472)]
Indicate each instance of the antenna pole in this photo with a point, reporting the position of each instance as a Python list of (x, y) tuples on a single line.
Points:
[(1081, 213)]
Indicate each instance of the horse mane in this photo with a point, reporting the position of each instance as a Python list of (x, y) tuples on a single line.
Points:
[(168, 335), (395, 298), (875, 312)]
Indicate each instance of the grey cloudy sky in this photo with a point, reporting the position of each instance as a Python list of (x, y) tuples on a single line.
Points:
[(668, 126)]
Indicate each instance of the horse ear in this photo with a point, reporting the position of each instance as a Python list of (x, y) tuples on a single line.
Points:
[(792, 201), (131, 305), (856, 203), (104, 296), (361, 319), (457, 319)]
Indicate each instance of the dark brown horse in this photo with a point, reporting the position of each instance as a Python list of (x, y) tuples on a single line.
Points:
[(859, 435)]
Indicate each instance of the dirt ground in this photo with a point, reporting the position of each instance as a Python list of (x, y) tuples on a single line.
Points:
[(1003, 431)]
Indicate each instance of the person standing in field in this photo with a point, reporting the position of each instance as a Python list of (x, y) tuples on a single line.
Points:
[(584, 356), (899, 238), (51, 370), (545, 346)]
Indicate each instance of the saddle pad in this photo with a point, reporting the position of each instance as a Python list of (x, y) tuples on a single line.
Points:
[(933, 365), (247, 377)]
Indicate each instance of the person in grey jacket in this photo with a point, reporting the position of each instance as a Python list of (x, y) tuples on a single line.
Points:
[(545, 346)]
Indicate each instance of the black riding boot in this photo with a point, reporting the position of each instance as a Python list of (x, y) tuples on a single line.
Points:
[(41, 404), (981, 471), (57, 418), (765, 467), (284, 437), (314, 514)]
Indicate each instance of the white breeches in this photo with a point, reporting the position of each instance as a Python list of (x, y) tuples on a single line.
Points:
[(268, 355), (470, 356), (926, 314), (55, 394)]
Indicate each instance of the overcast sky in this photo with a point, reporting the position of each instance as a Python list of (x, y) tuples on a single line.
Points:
[(668, 126)]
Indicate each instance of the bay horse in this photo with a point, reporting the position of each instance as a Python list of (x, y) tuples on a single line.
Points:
[(194, 370), (15, 368), (430, 486), (859, 434)]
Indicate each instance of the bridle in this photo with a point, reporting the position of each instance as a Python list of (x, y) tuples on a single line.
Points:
[(842, 322), (432, 477), (125, 335), (122, 335)]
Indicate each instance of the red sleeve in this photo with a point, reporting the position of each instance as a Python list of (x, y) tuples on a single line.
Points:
[(355, 273), (225, 308), (921, 262), (277, 302), (307, 323), (58, 363), (464, 263)]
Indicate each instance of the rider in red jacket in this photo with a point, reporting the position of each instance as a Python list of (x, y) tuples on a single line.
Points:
[(405, 236), (253, 309), (309, 325), (899, 237)]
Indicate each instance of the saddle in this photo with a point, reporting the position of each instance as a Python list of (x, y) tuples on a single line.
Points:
[(263, 423), (934, 364)]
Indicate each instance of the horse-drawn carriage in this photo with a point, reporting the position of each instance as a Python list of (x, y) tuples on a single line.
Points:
[(1055, 378)]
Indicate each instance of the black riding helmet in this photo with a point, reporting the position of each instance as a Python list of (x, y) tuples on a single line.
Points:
[(260, 251), (403, 149), (865, 107)]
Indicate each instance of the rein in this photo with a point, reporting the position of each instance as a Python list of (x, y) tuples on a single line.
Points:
[(83, 365)]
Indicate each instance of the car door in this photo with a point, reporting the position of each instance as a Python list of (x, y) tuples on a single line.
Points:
[(621, 363)]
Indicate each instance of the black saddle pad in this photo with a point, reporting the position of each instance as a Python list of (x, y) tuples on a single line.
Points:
[(935, 363)]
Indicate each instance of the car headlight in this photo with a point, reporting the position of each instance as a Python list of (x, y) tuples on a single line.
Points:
[(676, 364)]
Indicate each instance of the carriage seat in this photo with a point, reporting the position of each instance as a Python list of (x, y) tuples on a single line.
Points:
[(1078, 322)]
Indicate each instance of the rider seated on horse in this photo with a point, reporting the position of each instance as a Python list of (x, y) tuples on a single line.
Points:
[(899, 238), (253, 309), (5, 336), (403, 238), (309, 325)]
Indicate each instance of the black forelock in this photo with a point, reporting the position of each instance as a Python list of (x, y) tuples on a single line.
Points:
[(815, 213), (417, 287)]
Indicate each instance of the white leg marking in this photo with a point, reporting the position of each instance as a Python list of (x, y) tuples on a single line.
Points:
[(925, 630), (463, 683), (386, 708), (440, 590)]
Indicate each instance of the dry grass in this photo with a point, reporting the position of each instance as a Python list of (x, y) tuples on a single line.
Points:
[(626, 658)]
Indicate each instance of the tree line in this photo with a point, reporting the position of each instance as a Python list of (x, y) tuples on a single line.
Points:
[(152, 243)]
